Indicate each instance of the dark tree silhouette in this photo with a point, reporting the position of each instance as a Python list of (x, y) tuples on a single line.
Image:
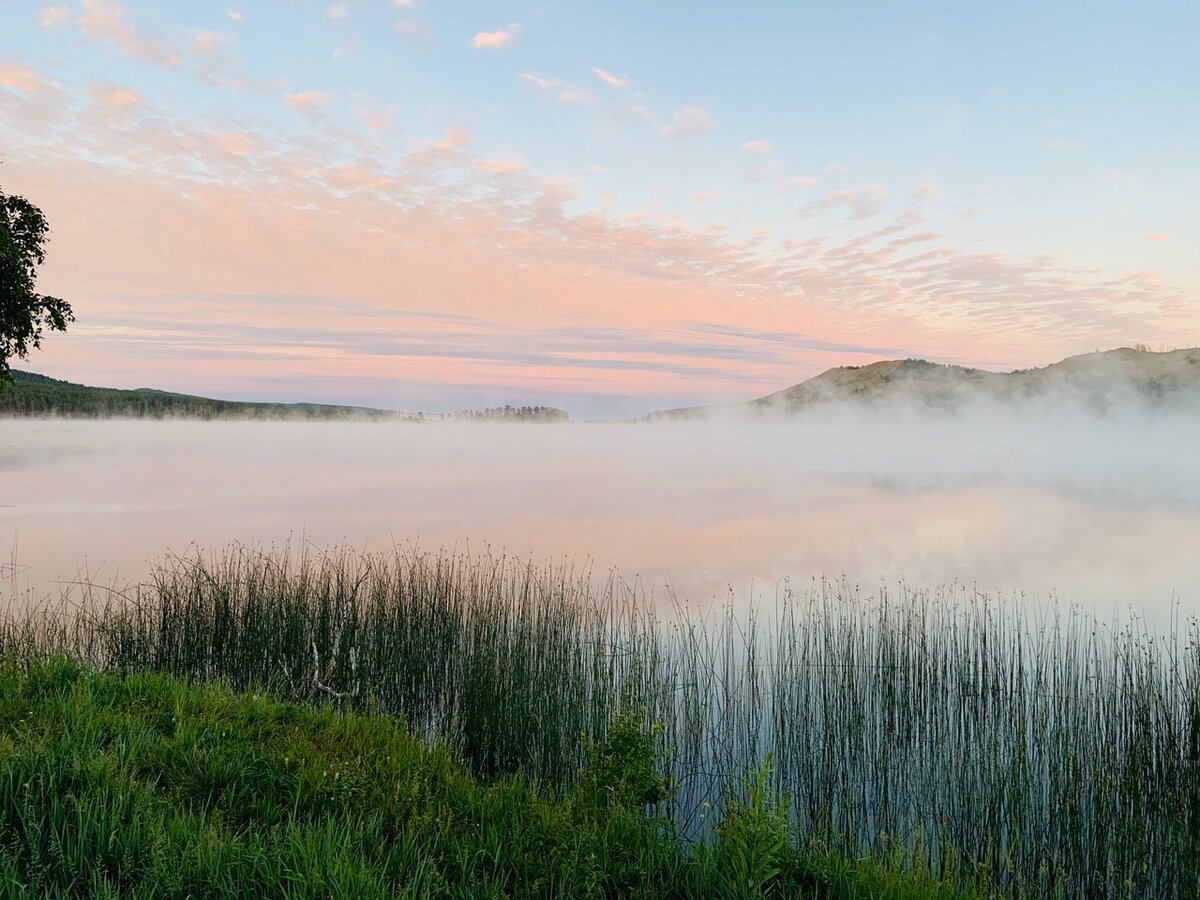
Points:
[(24, 313)]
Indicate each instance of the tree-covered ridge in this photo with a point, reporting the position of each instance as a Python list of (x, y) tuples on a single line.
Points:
[(38, 395), (31, 394)]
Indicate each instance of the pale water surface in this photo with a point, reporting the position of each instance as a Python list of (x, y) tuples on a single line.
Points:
[(1105, 512)]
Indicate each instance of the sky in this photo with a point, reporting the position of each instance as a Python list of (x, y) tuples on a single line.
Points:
[(608, 207)]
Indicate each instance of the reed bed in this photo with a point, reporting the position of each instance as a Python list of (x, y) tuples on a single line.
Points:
[(1039, 751)]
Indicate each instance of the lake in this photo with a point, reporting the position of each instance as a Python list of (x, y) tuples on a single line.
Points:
[(1100, 511)]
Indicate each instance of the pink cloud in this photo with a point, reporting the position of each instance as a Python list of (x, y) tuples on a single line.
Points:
[(504, 166), (563, 90), (308, 101), (690, 121), (238, 143), (767, 169), (208, 43), (1156, 236), (498, 39), (861, 202), (614, 81), (802, 181), (377, 118), (116, 95), (926, 190), (106, 21), (19, 78), (455, 139), (31, 105), (761, 146)]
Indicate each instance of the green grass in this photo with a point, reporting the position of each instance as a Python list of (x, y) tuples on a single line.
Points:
[(145, 786), (1044, 754)]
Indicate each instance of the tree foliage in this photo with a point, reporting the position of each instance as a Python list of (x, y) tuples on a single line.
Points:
[(24, 313)]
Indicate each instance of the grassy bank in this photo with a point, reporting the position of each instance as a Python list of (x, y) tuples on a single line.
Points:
[(1046, 755), (144, 786)]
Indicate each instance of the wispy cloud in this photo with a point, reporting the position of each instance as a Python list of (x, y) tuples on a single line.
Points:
[(498, 39), (375, 116), (861, 202), (455, 139), (614, 81), (107, 21), (117, 95), (642, 113), (801, 181), (53, 16), (1065, 144), (761, 146), (338, 11), (688, 122), (504, 166), (762, 171), (308, 101), (565, 91), (1156, 236), (926, 190), (208, 44), (19, 78), (412, 31)]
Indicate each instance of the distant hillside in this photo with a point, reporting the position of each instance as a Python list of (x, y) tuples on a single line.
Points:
[(1099, 381), (31, 394)]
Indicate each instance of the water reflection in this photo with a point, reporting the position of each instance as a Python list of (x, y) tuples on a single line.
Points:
[(1106, 512)]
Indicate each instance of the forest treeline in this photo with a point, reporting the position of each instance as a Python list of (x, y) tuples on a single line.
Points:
[(31, 394)]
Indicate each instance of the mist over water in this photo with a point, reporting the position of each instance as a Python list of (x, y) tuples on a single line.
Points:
[(1100, 510)]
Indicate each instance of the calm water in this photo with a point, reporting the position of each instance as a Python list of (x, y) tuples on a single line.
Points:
[(1105, 512)]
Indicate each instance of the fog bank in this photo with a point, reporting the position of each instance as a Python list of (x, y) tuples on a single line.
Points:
[(1103, 510)]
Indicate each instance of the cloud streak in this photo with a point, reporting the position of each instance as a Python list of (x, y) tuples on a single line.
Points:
[(620, 82), (565, 91)]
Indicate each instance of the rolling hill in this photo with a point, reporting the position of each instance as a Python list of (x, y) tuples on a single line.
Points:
[(1099, 381)]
